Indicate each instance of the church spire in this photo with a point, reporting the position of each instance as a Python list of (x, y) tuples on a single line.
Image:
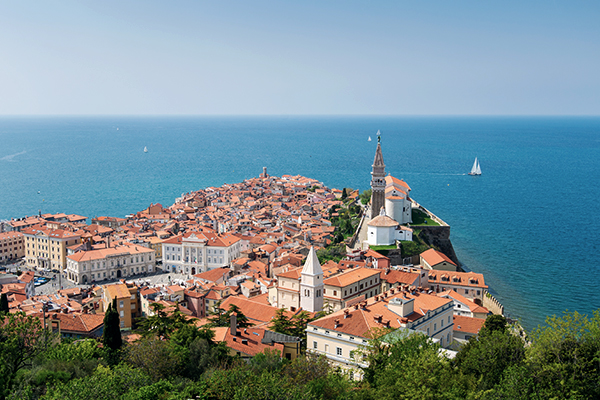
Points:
[(377, 181), (311, 283)]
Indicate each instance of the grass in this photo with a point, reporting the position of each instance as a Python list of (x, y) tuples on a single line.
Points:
[(420, 218), (379, 248)]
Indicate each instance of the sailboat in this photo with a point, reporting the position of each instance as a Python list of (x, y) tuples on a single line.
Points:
[(369, 138), (476, 170), (145, 149)]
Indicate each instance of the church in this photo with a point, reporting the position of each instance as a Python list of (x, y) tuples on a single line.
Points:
[(391, 206)]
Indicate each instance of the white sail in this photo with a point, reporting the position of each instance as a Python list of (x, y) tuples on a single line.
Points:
[(145, 149), (369, 138), (476, 170)]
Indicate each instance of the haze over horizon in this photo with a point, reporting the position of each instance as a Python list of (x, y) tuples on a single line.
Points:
[(299, 58)]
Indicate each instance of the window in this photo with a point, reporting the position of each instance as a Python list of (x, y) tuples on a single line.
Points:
[(133, 306), (335, 292), (122, 313), (435, 327), (327, 332), (315, 345), (449, 318), (466, 291), (122, 324), (121, 304), (338, 351)]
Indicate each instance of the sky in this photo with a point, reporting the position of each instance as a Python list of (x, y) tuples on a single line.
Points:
[(299, 57)]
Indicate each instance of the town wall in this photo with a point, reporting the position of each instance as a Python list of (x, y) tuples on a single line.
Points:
[(492, 304)]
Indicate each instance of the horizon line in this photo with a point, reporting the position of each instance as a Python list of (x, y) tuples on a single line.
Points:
[(299, 115)]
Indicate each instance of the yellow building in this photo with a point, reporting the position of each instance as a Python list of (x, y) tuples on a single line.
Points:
[(46, 248), (128, 302), (11, 246)]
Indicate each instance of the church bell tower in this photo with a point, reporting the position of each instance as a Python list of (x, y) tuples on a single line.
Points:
[(377, 182)]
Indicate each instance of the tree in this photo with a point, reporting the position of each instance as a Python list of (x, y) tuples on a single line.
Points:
[(22, 338), (344, 194), (156, 357), (493, 323), (401, 365), (282, 323), (161, 323), (4, 303), (175, 228), (104, 383), (223, 318), (365, 196), (489, 354), (564, 357), (111, 337)]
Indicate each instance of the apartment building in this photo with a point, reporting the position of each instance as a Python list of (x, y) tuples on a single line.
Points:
[(46, 248)]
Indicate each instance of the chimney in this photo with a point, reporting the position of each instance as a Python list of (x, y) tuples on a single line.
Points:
[(233, 324), (337, 323)]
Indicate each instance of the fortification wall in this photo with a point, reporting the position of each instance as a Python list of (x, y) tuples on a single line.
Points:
[(492, 304)]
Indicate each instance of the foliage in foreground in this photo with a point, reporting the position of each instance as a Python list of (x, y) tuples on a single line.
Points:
[(561, 362)]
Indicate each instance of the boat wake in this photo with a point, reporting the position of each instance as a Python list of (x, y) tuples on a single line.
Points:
[(436, 173), (12, 156)]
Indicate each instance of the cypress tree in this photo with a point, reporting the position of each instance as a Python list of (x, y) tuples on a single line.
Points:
[(4, 303), (111, 338)]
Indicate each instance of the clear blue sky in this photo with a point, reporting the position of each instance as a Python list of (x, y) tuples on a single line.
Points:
[(300, 57)]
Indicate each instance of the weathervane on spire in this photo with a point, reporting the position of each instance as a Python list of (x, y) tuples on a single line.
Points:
[(378, 136)]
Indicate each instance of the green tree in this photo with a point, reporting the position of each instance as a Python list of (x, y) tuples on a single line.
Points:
[(21, 340), (156, 357), (222, 318), (161, 323), (4, 303), (493, 323), (282, 323), (564, 357), (365, 196), (332, 252), (111, 337), (344, 194), (104, 383), (401, 365), (489, 354)]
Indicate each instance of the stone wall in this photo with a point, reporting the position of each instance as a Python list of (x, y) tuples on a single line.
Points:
[(492, 304)]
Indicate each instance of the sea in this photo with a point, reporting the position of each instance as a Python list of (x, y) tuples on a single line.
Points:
[(530, 223)]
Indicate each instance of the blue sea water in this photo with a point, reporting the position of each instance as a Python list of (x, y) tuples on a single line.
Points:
[(530, 223)]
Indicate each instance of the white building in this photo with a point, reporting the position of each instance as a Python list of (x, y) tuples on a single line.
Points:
[(195, 252), (397, 201), (119, 261), (383, 230), (339, 335)]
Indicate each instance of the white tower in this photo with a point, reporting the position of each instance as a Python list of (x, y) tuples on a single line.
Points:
[(311, 284)]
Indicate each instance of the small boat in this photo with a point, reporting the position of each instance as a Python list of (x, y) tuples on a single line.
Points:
[(369, 138), (476, 170), (145, 149)]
